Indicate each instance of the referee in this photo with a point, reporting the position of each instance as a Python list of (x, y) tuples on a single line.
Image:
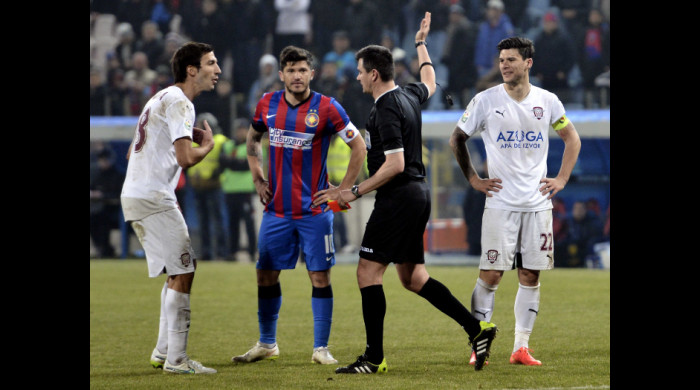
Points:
[(394, 231)]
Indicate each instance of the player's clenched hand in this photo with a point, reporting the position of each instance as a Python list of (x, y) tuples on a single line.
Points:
[(486, 185), (204, 137), (263, 189)]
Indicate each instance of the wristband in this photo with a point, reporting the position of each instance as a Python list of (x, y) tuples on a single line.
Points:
[(421, 43)]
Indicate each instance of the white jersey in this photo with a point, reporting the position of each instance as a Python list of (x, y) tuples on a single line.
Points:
[(516, 138), (153, 171)]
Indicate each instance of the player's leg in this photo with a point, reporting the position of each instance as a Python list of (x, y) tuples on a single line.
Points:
[(278, 251), (537, 253), (161, 350), (370, 275), (316, 238)]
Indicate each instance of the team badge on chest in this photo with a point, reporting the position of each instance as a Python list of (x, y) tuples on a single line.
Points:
[(311, 119), (538, 112)]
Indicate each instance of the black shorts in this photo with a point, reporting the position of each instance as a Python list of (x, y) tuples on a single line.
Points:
[(396, 226)]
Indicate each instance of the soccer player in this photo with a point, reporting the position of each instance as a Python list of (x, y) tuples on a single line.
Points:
[(395, 228), (300, 123), (514, 120), (161, 148)]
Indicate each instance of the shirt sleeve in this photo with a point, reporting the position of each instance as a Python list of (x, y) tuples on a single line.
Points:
[(471, 121), (179, 117), (341, 122)]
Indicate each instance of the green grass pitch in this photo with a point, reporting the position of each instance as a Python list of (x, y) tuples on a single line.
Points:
[(424, 348)]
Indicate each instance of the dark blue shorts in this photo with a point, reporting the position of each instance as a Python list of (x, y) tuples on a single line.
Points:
[(280, 240)]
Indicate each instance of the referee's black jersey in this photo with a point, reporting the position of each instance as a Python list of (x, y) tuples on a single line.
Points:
[(395, 123)]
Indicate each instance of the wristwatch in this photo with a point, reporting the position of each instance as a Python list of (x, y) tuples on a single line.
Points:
[(355, 191)]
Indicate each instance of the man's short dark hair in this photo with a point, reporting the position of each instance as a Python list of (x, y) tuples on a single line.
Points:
[(292, 54), (525, 46), (379, 58), (188, 54)]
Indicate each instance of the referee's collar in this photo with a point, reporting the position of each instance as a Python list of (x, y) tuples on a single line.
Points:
[(379, 97)]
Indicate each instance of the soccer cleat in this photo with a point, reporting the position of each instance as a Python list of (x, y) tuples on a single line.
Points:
[(157, 358), (482, 343), (187, 366), (258, 352), (362, 366), (322, 355), (472, 359), (522, 356)]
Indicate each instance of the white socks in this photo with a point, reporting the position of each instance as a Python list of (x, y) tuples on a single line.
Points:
[(162, 344), (177, 311), (483, 299), (527, 305)]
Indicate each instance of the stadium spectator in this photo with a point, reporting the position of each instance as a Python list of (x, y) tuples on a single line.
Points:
[(138, 82), (105, 187), (151, 42), (164, 79), (247, 22), (556, 58), (394, 231), (238, 189), (457, 53), (365, 14), (493, 29), (171, 43), (490, 79), (294, 220), (583, 230), (324, 22), (134, 12), (267, 76), (518, 192), (219, 103), (149, 203), (126, 45), (98, 92), (327, 82), (342, 55), (293, 24), (593, 47), (209, 24), (573, 14), (208, 198), (117, 90), (161, 14)]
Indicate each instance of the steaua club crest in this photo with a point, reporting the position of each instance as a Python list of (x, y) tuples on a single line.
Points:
[(311, 119), (349, 133), (538, 111), (492, 256), (185, 258)]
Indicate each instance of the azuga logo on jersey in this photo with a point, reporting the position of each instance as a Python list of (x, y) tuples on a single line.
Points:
[(520, 139), (538, 111)]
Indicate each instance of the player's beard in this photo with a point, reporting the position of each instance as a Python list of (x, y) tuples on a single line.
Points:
[(295, 91)]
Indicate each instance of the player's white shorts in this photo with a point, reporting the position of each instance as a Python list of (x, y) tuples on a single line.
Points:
[(505, 233), (166, 241)]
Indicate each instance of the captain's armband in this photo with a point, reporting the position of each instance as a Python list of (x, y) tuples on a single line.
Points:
[(561, 123)]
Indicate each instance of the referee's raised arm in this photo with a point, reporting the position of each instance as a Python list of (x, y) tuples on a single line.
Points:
[(427, 72)]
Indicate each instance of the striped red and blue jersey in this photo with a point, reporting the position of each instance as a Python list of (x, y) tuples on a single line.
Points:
[(299, 140)]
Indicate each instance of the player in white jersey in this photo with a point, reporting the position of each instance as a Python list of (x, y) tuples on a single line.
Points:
[(161, 148), (513, 119)]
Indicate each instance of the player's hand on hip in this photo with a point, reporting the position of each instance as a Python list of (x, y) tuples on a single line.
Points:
[(263, 189), (486, 185), (332, 193), (551, 187)]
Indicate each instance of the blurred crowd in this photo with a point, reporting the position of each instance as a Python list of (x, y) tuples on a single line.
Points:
[(132, 41)]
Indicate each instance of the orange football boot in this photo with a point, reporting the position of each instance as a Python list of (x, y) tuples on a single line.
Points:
[(522, 356)]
